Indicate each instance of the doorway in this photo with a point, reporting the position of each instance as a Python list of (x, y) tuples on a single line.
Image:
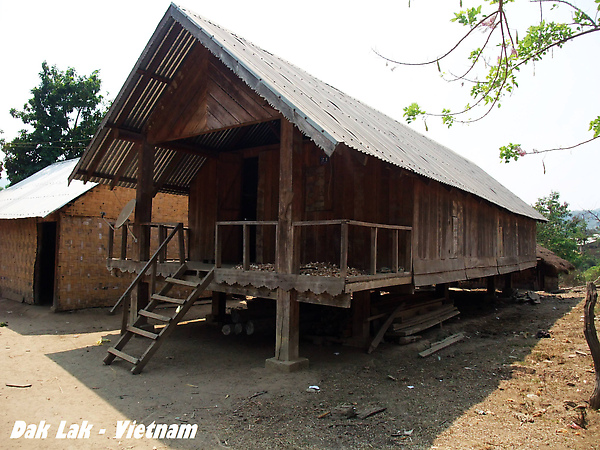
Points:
[(45, 265)]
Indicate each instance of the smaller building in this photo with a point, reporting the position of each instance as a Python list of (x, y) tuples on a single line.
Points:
[(55, 238), (544, 276), (548, 268)]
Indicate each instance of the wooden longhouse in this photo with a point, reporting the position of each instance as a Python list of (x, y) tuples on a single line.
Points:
[(283, 170)]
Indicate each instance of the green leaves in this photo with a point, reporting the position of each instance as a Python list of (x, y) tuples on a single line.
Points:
[(412, 111), (469, 17), (562, 232), (511, 152), (64, 112), (447, 117), (495, 62), (595, 124)]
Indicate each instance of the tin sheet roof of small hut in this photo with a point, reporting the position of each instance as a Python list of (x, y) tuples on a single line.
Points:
[(42, 193), (328, 116)]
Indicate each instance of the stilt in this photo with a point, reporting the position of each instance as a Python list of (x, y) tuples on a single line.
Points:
[(507, 291), (361, 310), (491, 288), (443, 290), (287, 357), (287, 340), (218, 307)]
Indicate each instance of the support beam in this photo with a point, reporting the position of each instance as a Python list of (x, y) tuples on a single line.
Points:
[(361, 311), (491, 288), (507, 291), (218, 307), (143, 214), (442, 290), (287, 338)]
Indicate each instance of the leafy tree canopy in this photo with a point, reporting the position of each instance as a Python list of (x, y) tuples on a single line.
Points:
[(62, 115), (501, 51), (563, 233)]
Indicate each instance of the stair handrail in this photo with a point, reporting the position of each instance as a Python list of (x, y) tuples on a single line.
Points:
[(152, 260)]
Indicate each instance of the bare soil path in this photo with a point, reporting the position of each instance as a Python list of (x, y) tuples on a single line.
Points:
[(500, 388)]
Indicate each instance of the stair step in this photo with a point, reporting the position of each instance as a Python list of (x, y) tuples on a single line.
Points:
[(153, 315), (186, 304), (122, 355), (189, 283), (139, 331), (164, 298)]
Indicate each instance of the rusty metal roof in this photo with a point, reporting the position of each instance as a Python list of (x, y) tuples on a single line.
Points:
[(326, 115), (42, 193)]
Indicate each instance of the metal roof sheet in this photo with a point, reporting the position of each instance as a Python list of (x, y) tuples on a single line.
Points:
[(326, 115), (42, 193)]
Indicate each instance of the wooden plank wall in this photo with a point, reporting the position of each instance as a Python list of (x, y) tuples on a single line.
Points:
[(346, 186), (459, 236), (456, 236)]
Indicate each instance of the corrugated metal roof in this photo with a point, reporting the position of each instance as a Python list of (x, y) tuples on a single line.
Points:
[(323, 113), (42, 193)]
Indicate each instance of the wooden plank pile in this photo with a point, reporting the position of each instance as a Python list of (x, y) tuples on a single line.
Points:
[(405, 317)]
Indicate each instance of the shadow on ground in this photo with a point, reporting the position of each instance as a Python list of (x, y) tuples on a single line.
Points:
[(202, 377)]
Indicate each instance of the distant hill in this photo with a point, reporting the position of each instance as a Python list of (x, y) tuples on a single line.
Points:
[(592, 222)]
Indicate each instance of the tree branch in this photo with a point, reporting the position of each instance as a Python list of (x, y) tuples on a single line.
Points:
[(439, 58), (534, 152)]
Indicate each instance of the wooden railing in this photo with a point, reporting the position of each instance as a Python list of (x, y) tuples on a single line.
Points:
[(245, 224), (375, 227), (399, 234), (154, 260), (162, 231)]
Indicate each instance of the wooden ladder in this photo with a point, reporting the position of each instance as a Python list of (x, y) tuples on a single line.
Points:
[(170, 321)]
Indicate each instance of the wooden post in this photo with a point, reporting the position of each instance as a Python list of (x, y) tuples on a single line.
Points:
[(111, 243), (246, 247), (143, 214), (395, 263), (373, 268), (181, 241), (162, 236), (124, 242), (491, 287), (361, 310), (288, 309), (441, 290), (218, 307), (344, 250), (508, 286), (218, 252)]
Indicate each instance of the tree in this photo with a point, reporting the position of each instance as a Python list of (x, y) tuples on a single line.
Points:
[(493, 65), (591, 336), (63, 112), (562, 233)]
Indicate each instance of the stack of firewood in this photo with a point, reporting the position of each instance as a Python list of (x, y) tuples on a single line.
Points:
[(411, 314)]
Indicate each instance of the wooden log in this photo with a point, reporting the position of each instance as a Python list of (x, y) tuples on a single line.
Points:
[(239, 315), (425, 325), (255, 325), (423, 317), (227, 329), (442, 344), (377, 339)]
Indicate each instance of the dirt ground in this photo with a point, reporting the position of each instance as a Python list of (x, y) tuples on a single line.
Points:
[(500, 388)]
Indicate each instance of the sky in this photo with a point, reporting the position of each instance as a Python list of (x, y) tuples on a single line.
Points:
[(335, 41)]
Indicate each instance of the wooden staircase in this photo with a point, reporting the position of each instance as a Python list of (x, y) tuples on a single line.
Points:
[(156, 339)]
